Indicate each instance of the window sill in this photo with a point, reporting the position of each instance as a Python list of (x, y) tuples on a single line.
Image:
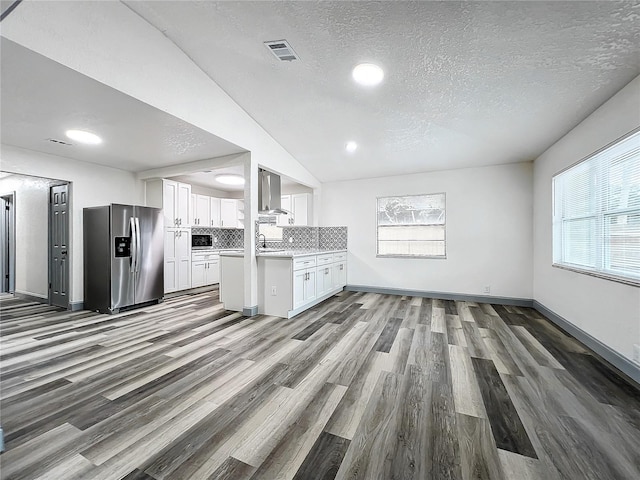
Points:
[(604, 276)]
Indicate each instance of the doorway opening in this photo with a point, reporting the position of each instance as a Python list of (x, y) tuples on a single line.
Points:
[(35, 232), (7, 243)]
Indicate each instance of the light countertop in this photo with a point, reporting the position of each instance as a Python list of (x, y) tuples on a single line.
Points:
[(284, 253)]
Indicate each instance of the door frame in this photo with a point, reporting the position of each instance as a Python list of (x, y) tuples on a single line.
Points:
[(10, 198), (50, 243)]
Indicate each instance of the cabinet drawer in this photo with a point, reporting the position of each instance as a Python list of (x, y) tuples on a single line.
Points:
[(325, 259), (204, 257), (304, 262), (339, 257)]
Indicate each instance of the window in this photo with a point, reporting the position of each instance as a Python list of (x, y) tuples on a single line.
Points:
[(596, 213), (411, 226)]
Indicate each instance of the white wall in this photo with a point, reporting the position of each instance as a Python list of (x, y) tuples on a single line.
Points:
[(31, 230), (489, 231), (92, 185), (607, 310), (112, 44)]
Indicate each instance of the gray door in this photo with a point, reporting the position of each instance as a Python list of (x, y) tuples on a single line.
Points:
[(150, 254), (122, 268), (59, 246)]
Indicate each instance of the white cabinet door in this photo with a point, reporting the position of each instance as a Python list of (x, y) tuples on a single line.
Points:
[(323, 280), (214, 207), (228, 212), (169, 200), (170, 264), (300, 203), (285, 204), (212, 272), (183, 259), (299, 284), (339, 274), (310, 286), (202, 211), (182, 204), (240, 213), (198, 273)]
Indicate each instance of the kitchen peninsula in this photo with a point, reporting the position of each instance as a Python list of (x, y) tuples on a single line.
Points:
[(289, 281)]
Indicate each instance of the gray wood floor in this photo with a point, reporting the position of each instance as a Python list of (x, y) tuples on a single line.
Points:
[(362, 386)]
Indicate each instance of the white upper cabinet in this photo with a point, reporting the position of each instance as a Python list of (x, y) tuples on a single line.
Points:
[(285, 204), (231, 213), (201, 211), (299, 204), (214, 206), (175, 200)]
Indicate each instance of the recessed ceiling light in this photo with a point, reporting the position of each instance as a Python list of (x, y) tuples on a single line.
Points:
[(83, 137), (351, 147), (230, 179), (368, 74)]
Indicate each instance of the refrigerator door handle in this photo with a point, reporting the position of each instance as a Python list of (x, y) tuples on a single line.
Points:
[(134, 250), (138, 250)]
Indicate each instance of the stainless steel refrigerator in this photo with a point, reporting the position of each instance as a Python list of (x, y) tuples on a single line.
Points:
[(123, 257)]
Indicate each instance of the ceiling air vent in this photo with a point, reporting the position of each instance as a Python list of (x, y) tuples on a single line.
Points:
[(59, 142), (282, 50)]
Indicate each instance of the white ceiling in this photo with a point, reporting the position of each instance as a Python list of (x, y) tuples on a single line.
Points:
[(467, 83), (208, 179), (41, 99)]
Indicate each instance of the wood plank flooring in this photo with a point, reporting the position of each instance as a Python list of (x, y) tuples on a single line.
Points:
[(362, 386)]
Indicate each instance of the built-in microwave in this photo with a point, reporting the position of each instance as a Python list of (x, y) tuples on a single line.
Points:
[(201, 240)]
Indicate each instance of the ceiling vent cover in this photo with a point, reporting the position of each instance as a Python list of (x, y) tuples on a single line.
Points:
[(59, 142), (282, 50)]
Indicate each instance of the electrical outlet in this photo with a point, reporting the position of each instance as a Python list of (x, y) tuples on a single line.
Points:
[(290, 239), (215, 239), (274, 290), (636, 353), (487, 289)]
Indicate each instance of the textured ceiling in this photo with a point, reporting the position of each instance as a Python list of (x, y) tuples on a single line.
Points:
[(467, 83), (41, 99)]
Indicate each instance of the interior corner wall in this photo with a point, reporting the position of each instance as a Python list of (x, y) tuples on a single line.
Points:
[(91, 185), (488, 231), (608, 311)]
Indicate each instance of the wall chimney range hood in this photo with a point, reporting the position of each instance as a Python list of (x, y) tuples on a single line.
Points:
[(269, 201)]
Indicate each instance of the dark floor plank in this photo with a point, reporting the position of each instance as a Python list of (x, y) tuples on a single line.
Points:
[(388, 335), (324, 459), (508, 431)]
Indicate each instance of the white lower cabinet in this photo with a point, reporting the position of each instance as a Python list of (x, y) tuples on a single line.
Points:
[(339, 274), (323, 280), (177, 259), (205, 269), (288, 286), (304, 287)]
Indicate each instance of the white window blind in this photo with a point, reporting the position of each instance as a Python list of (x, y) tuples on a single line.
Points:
[(596, 213), (411, 226)]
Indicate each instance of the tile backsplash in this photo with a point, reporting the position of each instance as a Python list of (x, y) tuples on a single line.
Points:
[(309, 238), (303, 238), (226, 237)]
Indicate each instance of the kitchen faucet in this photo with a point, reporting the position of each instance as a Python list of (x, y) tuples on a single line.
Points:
[(264, 240)]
